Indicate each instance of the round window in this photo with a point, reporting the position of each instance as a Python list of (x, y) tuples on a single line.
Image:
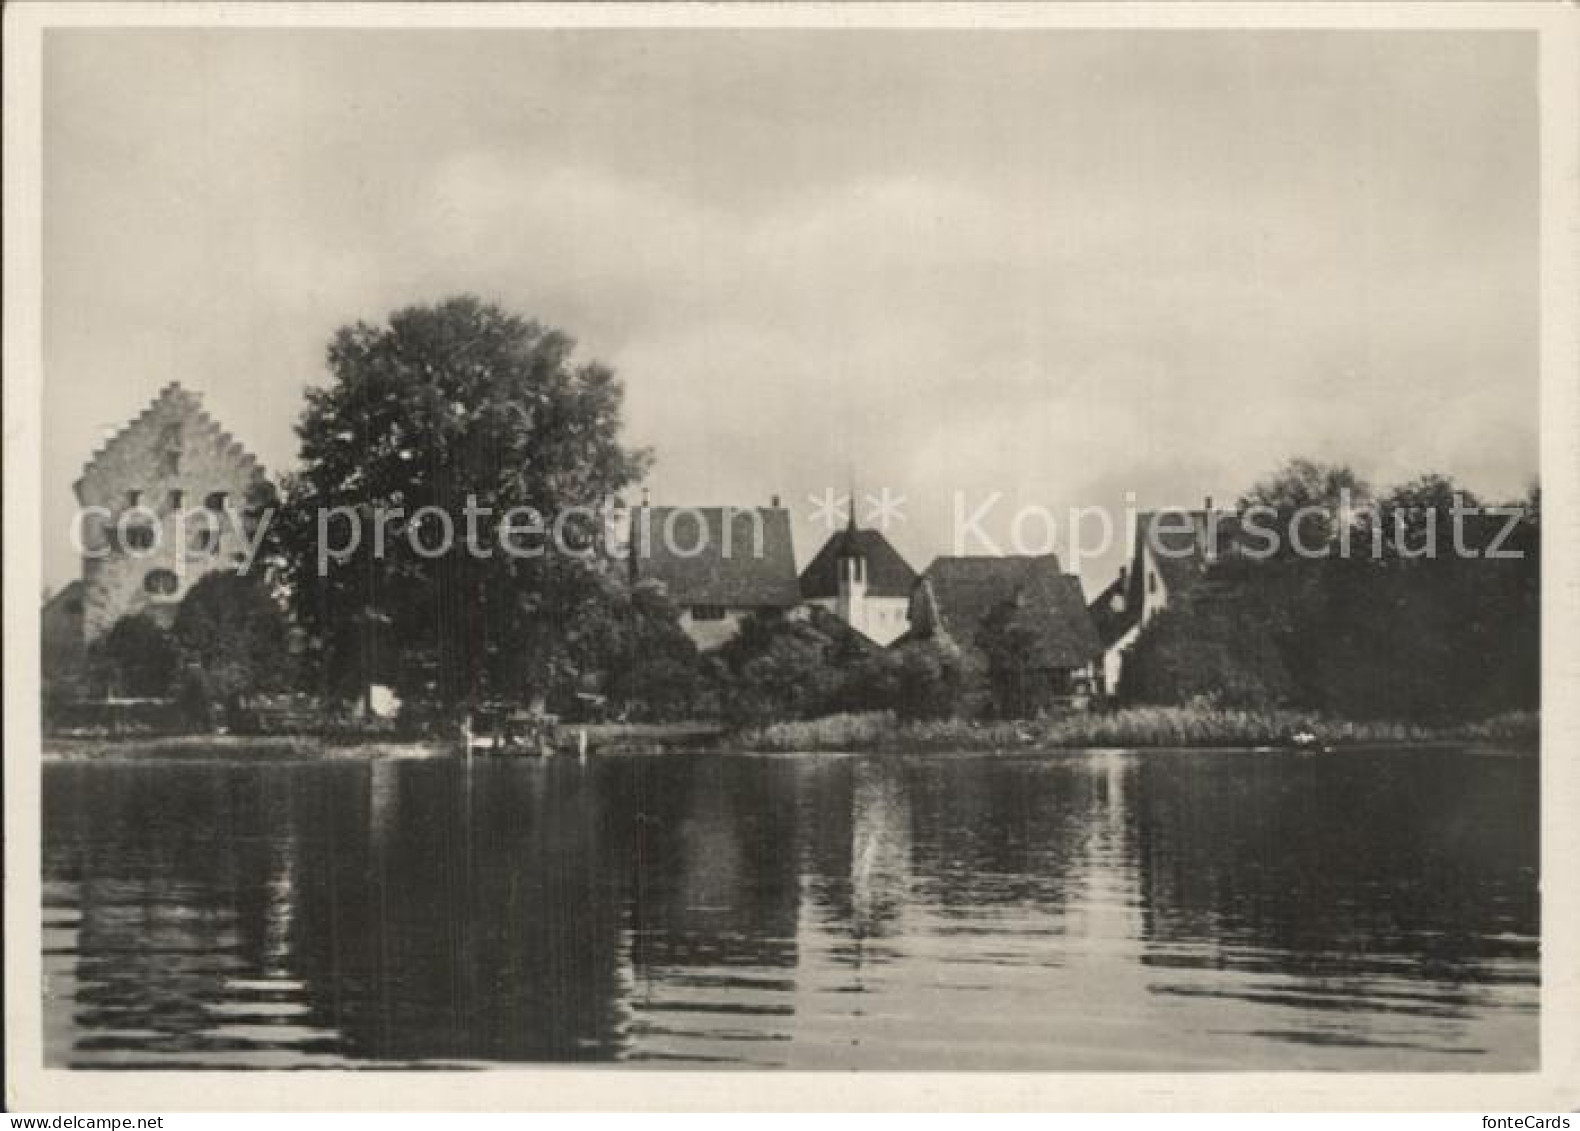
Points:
[(161, 582)]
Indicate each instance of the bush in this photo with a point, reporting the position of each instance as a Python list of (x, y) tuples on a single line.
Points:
[(232, 639), (808, 664), (777, 668), (1218, 652), (846, 731), (135, 659), (651, 671), (195, 699), (934, 679), (1198, 725)]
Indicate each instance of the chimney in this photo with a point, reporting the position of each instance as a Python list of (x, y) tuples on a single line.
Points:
[(1207, 505), (774, 502)]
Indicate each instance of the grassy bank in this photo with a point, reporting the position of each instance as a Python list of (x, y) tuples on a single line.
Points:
[(1134, 726), (201, 747)]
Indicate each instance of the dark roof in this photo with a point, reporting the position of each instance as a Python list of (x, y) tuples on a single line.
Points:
[(1109, 622), (842, 636), (1180, 544), (963, 593), (888, 574), (1175, 538), (749, 563)]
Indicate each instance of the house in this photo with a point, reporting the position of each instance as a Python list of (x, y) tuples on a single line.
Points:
[(1116, 617), (862, 579), (161, 505), (1172, 554), (717, 564), (969, 600)]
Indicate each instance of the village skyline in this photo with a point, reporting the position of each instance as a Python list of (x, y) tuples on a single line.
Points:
[(1165, 289), (1015, 547)]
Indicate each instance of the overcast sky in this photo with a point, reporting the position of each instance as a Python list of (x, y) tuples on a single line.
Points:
[(1059, 265)]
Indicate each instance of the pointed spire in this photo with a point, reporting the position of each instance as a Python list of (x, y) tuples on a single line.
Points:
[(850, 513)]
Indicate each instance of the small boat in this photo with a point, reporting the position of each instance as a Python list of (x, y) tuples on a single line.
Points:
[(1307, 741)]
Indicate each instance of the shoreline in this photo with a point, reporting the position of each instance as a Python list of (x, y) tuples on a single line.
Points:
[(224, 747), (1134, 728), (834, 735)]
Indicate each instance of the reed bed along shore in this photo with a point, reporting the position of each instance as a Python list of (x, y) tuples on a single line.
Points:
[(1130, 727)]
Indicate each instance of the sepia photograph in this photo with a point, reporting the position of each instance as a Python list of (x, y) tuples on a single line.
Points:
[(729, 543)]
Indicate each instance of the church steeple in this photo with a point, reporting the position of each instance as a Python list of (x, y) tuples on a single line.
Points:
[(851, 565), (862, 579)]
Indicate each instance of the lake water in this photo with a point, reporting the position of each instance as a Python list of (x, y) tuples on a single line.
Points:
[(1148, 911)]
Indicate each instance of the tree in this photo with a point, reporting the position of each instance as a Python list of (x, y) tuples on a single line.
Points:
[(936, 679), (466, 408), (135, 659), (631, 646), (234, 639), (1420, 515), (1401, 635), (799, 665), (1215, 651), (1306, 500), (1019, 667), (778, 666)]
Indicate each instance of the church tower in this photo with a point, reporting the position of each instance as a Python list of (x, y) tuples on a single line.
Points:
[(862, 579), (850, 603)]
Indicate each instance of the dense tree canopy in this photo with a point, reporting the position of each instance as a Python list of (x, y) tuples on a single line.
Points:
[(135, 659), (1305, 502), (1420, 622), (630, 648), (232, 632), (1212, 652), (458, 406), (778, 667)]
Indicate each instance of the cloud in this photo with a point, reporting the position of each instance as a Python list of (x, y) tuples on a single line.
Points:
[(1051, 265)]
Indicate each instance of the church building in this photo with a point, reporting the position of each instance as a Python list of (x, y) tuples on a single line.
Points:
[(861, 578)]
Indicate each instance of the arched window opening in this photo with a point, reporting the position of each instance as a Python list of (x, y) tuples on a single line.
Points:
[(161, 583), (140, 537)]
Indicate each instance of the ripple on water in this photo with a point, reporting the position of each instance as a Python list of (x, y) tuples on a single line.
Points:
[(1080, 913)]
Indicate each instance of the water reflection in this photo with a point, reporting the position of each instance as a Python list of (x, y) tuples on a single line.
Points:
[(1080, 911)]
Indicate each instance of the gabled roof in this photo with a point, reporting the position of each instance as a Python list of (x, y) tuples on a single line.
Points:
[(843, 637), (741, 557), (174, 407), (961, 594), (1182, 543), (1110, 623), (888, 574)]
